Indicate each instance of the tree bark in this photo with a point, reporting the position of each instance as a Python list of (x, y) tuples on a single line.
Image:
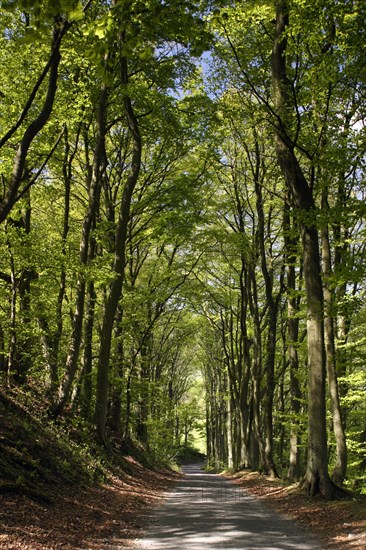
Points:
[(316, 478), (144, 393), (59, 403), (340, 468), (3, 361), (119, 264), (23, 349), (257, 445), (51, 339), (119, 368), (87, 393), (269, 464), (127, 419), (13, 317), (229, 426), (293, 340)]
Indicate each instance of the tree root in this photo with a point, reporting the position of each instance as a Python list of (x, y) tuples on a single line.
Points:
[(327, 489)]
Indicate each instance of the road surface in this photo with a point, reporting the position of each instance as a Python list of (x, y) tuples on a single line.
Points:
[(207, 511)]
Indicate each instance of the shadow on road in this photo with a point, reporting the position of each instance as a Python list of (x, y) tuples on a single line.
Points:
[(207, 511)]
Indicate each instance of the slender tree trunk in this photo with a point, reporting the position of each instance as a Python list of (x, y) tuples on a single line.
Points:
[(269, 464), (87, 393), (343, 319), (127, 418), (51, 339), (340, 468), (77, 322), (119, 366), (119, 264), (209, 450), (240, 352), (37, 124), (257, 446), (244, 364), (49, 355), (270, 467), (281, 408), (229, 426), (290, 241), (239, 382), (3, 362), (23, 351), (144, 394), (13, 316)]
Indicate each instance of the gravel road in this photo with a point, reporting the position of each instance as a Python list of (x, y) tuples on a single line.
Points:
[(207, 511)]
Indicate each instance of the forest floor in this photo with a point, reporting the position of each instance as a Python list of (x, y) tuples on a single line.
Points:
[(110, 515), (58, 491), (113, 514), (340, 524)]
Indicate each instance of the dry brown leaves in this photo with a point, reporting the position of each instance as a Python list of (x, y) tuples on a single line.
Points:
[(341, 525), (107, 516), (113, 515)]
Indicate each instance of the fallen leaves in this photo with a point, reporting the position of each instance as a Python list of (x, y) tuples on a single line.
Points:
[(341, 525), (110, 515)]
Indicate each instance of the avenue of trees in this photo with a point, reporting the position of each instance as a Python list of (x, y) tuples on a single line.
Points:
[(182, 226)]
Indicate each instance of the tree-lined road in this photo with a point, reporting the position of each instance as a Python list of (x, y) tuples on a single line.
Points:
[(207, 511)]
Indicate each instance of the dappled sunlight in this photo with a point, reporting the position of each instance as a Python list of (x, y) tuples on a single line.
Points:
[(208, 511)]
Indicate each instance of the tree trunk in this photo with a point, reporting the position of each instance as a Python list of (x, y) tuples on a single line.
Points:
[(339, 471), (23, 350), (51, 339), (77, 321), (290, 241), (119, 264), (269, 464), (257, 446), (13, 317), (316, 478), (33, 129), (229, 427), (144, 393), (87, 393), (239, 383), (49, 356), (341, 255), (127, 418), (3, 362), (119, 366)]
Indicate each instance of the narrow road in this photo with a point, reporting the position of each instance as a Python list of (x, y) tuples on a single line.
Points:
[(207, 511)]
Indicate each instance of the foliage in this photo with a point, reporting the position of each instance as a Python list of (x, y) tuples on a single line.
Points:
[(210, 329)]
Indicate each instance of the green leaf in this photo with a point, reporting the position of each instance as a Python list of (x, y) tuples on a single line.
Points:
[(76, 14)]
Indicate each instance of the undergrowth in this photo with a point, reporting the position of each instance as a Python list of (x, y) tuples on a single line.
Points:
[(38, 455)]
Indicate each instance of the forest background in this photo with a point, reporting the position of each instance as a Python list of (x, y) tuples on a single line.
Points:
[(182, 211)]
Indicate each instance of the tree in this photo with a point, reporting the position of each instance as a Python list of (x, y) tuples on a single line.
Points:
[(37, 121), (127, 41), (189, 219), (316, 478)]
